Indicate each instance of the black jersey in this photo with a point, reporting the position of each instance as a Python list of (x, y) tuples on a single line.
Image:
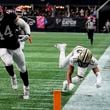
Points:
[(8, 37)]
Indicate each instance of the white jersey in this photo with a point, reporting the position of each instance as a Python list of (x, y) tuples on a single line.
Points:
[(74, 58)]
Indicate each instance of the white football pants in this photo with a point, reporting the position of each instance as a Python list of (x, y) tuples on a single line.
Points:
[(64, 60), (8, 56)]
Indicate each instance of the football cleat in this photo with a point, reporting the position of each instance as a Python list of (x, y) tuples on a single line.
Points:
[(59, 46), (26, 92), (14, 82)]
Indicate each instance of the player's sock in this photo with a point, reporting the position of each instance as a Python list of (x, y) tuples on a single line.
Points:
[(14, 82), (10, 70), (24, 77)]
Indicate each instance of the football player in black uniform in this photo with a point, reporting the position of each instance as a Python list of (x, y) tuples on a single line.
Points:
[(10, 48)]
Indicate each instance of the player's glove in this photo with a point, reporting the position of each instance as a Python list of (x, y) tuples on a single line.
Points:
[(71, 86), (98, 85), (99, 80), (30, 39), (23, 38)]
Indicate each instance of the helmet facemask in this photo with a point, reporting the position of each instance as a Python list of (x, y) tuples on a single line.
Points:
[(84, 58)]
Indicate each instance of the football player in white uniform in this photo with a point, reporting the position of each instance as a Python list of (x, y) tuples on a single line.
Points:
[(83, 58), (10, 48)]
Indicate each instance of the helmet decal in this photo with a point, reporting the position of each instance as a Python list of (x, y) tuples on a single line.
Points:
[(85, 57)]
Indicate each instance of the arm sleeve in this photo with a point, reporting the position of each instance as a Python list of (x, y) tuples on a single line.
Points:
[(20, 22)]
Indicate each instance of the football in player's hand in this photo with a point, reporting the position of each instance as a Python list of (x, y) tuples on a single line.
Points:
[(71, 86), (98, 85)]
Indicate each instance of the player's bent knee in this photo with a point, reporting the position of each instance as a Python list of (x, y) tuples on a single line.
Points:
[(22, 68)]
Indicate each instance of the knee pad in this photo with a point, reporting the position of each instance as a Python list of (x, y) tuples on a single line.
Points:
[(22, 68)]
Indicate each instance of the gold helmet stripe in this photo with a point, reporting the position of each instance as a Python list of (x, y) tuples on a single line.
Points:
[(85, 56)]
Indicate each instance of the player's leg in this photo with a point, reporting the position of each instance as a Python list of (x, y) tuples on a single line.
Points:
[(19, 58), (6, 58), (91, 36), (88, 34), (63, 60)]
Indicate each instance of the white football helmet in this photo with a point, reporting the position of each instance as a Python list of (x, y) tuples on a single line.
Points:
[(84, 57)]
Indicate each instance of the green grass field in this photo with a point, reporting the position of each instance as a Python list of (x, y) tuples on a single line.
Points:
[(44, 74)]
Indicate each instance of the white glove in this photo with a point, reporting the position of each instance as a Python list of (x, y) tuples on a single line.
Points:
[(71, 86), (98, 85), (99, 79), (23, 38)]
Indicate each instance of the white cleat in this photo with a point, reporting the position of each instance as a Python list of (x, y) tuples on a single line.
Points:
[(26, 92), (59, 46), (14, 82)]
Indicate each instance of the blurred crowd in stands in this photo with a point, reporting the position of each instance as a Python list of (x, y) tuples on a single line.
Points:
[(55, 11), (48, 10)]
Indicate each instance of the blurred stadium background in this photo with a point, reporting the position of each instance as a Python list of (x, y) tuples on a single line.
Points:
[(60, 15), (51, 22)]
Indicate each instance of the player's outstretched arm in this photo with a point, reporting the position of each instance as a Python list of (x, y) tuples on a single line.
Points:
[(20, 22), (98, 76), (69, 77)]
